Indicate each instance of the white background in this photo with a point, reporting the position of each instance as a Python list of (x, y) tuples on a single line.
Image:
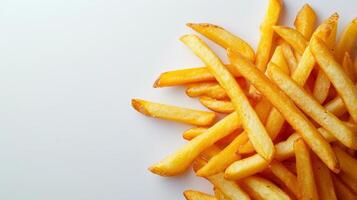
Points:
[(68, 70)]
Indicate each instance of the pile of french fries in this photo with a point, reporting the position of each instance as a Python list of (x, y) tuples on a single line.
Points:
[(289, 130)]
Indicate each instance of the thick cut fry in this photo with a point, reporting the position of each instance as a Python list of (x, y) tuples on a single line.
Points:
[(229, 188), (193, 132), (305, 21), (321, 87), (219, 194), (181, 159), (342, 191), (313, 109), (287, 108), (250, 120), (323, 179), (285, 150), (222, 160), (267, 33), (348, 163), (348, 67), (349, 181), (246, 167), (347, 41), (289, 56), (217, 105), (262, 189), (213, 90), (224, 38), (196, 195), (279, 59), (189, 116), (293, 37), (336, 106), (337, 76), (305, 175), (288, 178)]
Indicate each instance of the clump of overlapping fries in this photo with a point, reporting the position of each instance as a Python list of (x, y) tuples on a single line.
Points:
[(290, 128)]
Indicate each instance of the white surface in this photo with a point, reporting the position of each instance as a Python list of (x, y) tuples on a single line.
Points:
[(68, 70)]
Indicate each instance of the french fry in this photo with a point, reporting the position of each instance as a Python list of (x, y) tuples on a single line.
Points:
[(279, 59), (321, 87), (196, 195), (193, 132), (293, 37), (337, 76), (348, 163), (246, 167), (250, 121), (285, 150), (342, 191), (305, 21), (288, 178), (229, 188), (348, 67), (184, 115), (336, 106), (349, 181), (313, 109), (262, 108), (287, 108), (289, 56), (347, 40), (223, 159), (219, 194), (224, 38), (260, 188), (213, 90), (219, 106), (305, 175), (267, 33), (179, 161), (324, 183)]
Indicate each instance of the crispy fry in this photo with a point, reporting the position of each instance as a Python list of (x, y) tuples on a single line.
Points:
[(305, 175), (288, 178), (348, 67), (224, 38), (219, 106), (181, 159), (219, 194), (262, 189), (347, 40), (184, 115), (305, 21), (293, 37), (267, 33), (262, 108), (289, 56), (196, 195), (285, 149), (193, 132), (287, 108), (349, 181), (250, 121), (342, 191), (313, 109), (348, 163), (336, 106), (323, 179), (321, 87), (246, 167), (279, 59), (213, 90), (337, 76), (222, 160)]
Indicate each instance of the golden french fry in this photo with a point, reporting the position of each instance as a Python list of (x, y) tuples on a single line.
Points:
[(267, 33), (313, 108), (250, 120), (288, 178), (223, 159), (279, 59), (321, 87), (179, 161), (305, 21), (246, 167), (347, 40), (224, 38), (213, 90), (347, 162), (229, 188), (219, 194), (337, 76), (323, 179), (219, 106), (262, 108), (289, 56), (193, 132), (260, 188), (184, 115), (336, 106), (349, 181), (342, 191), (196, 195), (285, 149), (287, 108), (305, 175), (293, 37), (348, 67)]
